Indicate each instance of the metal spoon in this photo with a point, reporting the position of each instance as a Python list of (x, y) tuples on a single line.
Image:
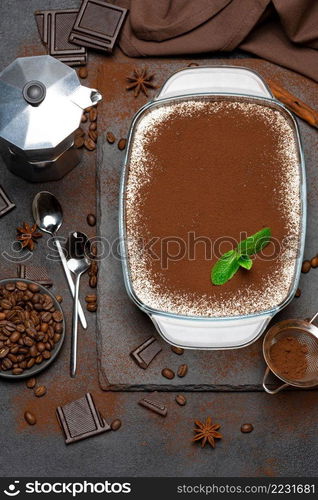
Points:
[(48, 215), (78, 264)]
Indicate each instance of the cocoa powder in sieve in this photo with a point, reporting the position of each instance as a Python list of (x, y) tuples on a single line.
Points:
[(289, 359)]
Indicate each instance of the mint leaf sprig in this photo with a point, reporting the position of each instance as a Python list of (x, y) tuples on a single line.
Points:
[(230, 262)]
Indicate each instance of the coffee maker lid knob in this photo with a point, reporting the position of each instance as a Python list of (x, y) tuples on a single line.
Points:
[(34, 92)]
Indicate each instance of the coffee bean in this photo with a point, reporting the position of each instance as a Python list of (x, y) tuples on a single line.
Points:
[(56, 338), (57, 316), (44, 327), (110, 137), (7, 363), (59, 298), (79, 132), (10, 286), (40, 391), (167, 373), (12, 357), (28, 341), (30, 418), (177, 350), (82, 72), (5, 304), (31, 382), (93, 134), (33, 287), (2, 316), (116, 424), (298, 292), (89, 144), (58, 327), (91, 219), (31, 362), (79, 141), (93, 114), (92, 307), (306, 266), (246, 428), (46, 317), (181, 400), (17, 371), (84, 118), (46, 354), (93, 281), (122, 144), (92, 126), (182, 370), (21, 285), (314, 262), (39, 359), (33, 351), (31, 332), (14, 337), (4, 351), (93, 270), (91, 298), (40, 346)]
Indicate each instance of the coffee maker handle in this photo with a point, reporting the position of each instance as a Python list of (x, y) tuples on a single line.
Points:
[(215, 79), (85, 97)]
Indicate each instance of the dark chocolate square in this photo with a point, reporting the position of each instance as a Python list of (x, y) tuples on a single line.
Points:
[(97, 25), (55, 27), (80, 419), (38, 274), (146, 352)]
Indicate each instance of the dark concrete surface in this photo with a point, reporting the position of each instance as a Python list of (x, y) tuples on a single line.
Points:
[(284, 441)]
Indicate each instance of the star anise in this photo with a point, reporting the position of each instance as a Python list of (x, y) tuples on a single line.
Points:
[(140, 81), (207, 432), (28, 235)]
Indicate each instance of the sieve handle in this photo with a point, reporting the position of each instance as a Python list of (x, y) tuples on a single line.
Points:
[(313, 318), (269, 391)]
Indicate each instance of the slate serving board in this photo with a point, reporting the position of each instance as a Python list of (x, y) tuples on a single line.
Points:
[(121, 325)]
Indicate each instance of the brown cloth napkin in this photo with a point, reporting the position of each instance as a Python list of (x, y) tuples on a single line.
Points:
[(282, 31)]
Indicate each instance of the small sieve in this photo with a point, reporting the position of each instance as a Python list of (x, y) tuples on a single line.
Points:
[(306, 334)]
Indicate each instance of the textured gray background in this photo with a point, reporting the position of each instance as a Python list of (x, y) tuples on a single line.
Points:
[(284, 441)]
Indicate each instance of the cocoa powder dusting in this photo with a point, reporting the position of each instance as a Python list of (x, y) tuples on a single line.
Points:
[(289, 358), (211, 170)]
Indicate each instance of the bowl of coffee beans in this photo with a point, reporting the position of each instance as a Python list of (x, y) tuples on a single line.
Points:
[(32, 328)]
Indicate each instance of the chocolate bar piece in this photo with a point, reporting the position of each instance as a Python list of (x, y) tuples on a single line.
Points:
[(97, 25), (34, 273), (80, 419), (55, 27), (154, 406), (146, 352), (5, 204)]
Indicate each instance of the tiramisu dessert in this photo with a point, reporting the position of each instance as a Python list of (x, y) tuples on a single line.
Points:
[(203, 175)]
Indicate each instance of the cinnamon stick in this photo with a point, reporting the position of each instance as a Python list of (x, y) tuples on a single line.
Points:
[(294, 104)]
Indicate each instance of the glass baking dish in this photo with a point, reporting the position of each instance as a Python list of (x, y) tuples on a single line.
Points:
[(196, 332)]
